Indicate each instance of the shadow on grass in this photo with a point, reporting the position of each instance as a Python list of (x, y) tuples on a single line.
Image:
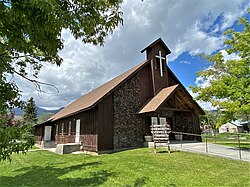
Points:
[(53, 176), (139, 182), (242, 148), (142, 181), (171, 185), (164, 151)]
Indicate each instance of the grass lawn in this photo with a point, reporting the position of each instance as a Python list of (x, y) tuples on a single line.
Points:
[(138, 167), (34, 147), (230, 139), (244, 145)]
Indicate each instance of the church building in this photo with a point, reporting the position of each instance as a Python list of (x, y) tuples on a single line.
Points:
[(120, 112)]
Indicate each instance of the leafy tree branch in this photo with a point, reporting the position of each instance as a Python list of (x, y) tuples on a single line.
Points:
[(31, 35), (229, 79)]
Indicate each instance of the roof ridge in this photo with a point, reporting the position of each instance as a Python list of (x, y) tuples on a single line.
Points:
[(90, 99)]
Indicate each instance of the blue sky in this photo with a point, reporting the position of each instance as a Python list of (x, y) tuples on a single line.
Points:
[(188, 27), (186, 65)]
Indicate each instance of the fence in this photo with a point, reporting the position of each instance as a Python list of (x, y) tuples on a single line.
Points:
[(237, 145)]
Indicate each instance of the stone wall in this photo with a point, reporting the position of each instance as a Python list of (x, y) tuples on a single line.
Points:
[(184, 123), (129, 127)]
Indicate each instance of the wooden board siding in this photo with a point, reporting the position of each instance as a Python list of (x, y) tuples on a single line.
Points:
[(53, 132), (160, 82), (39, 133), (146, 87), (105, 124), (196, 125), (172, 80), (88, 130)]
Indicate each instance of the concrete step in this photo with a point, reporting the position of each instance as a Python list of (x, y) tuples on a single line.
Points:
[(49, 144)]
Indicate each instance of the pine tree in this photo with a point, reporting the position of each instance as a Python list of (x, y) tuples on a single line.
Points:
[(30, 112)]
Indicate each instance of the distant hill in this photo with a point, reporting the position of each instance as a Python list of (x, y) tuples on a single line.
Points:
[(40, 111)]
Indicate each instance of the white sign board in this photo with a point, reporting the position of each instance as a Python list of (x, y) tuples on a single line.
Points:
[(163, 121)]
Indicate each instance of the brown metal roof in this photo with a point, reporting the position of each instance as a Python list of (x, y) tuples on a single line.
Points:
[(89, 100), (156, 101)]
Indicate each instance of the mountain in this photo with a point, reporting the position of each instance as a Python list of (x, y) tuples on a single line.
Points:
[(40, 111)]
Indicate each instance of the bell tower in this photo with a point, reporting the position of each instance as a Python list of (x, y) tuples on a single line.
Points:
[(157, 52)]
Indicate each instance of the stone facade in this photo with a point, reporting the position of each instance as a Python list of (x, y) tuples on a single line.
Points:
[(184, 123), (129, 127)]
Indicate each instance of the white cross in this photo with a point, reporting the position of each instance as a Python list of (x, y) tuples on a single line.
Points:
[(161, 65)]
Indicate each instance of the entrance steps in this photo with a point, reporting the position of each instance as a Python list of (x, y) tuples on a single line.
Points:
[(48, 144), (67, 148)]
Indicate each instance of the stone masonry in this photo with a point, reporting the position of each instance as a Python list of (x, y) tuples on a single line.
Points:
[(129, 127), (184, 123)]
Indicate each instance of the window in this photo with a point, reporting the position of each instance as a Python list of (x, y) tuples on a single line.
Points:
[(62, 128), (69, 127), (154, 121)]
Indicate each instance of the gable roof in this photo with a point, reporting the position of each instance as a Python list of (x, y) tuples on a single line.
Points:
[(185, 90), (90, 99), (159, 40), (157, 101), (229, 125)]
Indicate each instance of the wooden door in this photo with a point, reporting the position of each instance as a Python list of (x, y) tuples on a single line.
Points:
[(78, 127), (47, 133)]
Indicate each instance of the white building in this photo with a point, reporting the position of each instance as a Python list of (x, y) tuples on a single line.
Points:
[(231, 128)]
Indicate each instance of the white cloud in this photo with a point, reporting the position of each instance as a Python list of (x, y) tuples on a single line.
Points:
[(184, 62), (204, 105), (202, 83), (183, 25), (227, 56)]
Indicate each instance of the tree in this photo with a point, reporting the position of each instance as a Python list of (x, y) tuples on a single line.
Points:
[(30, 112), (210, 119), (14, 136), (30, 36), (229, 79), (44, 117)]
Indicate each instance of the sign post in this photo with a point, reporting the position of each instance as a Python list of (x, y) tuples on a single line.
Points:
[(161, 134)]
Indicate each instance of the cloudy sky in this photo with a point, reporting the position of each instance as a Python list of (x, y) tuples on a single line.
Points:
[(188, 27)]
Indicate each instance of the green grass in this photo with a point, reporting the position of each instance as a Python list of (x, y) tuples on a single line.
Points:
[(245, 146), (138, 167), (229, 139), (34, 147)]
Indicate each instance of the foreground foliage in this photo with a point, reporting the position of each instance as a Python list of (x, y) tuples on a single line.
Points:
[(15, 137), (31, 36), (30, 112), (229, 78), (210, 119), (139, 167)]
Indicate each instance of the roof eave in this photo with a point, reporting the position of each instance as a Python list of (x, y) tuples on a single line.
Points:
[(152, 44), (177, 85), (202, 112), (112, 90)]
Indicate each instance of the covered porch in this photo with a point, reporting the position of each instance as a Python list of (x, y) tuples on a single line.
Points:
[(45, 134), (175, 107)]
